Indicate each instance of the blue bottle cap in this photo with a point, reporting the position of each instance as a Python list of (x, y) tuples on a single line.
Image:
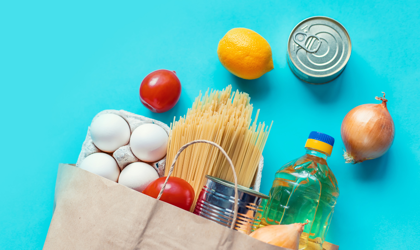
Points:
[(321, 137)]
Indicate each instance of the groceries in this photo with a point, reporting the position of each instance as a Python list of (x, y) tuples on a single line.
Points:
[(224, 118), (367, 132), (281, 235), (216, 203), (109, 132), (138, 176), (245, 53), (318, 50), (177, 192), (134, 150), (304, 190), (101, 164), (160, 90), (148, 142), (125, 219)]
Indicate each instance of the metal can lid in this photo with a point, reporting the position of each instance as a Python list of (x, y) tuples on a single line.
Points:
[(319, 46), (240, 188)]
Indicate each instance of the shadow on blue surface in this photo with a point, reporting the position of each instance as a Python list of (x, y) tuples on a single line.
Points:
[(373, 170), (329, 92), (258, 87)]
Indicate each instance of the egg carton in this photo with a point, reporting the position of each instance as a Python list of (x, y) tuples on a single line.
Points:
[(124, 156)]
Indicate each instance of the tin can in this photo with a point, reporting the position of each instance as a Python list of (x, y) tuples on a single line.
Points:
[(318, 50), (216, 203)]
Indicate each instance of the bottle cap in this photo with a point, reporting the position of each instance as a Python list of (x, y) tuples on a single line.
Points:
[(321, 142)]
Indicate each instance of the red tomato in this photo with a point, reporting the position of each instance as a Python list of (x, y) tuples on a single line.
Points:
[(177, 192), (160, 90)]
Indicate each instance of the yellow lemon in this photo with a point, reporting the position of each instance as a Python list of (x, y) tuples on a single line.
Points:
[(245, 53)]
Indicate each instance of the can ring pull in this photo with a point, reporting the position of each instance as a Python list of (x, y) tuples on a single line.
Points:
[(302, 38)]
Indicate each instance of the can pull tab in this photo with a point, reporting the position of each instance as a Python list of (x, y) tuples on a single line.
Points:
[(304, 40)]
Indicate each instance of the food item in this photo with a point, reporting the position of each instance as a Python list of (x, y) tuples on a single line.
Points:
[(177, 192), (304, 189), (123, 155), (245, 53), (101, 164), (224, 118), (138, 176), (215, 203), (148, 142), (109, 132), (281, 235), (367, 132), (318, 50), (160, 90)]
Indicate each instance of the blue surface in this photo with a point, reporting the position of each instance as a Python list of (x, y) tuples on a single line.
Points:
[(61, 63)]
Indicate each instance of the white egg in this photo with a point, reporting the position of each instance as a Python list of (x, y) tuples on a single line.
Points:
[(109, 132), (101, 164), (138, 176), (148, 142)]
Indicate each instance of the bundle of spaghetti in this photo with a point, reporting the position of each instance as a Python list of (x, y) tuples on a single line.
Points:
[(224, 118)]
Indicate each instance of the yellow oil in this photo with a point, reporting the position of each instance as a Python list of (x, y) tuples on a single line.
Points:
[(306, 243), (304, 190)]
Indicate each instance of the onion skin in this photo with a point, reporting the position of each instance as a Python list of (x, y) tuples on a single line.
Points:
[(286, 236), (367, 132)]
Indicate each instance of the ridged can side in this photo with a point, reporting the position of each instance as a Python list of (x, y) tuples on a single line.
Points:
[(216, 203)]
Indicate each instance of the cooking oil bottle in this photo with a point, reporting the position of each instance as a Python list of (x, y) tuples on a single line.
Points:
[(304, 190)]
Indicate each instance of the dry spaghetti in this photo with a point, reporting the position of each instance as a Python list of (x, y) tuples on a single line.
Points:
[(224, 118)]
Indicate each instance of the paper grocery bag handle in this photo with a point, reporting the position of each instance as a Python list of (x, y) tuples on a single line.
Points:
[(235, 214)]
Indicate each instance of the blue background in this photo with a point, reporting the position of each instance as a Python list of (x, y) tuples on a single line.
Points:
[(63, 62)]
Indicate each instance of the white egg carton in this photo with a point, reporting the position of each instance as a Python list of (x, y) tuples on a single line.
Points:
[(124, 156)]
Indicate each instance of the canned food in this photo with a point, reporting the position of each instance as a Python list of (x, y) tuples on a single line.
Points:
[(318, 50), (216, 202)]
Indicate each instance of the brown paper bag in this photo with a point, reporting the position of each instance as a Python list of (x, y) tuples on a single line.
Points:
[(91, 212)]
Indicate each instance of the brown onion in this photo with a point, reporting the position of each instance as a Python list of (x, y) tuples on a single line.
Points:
[(367, 132), (286, 236)]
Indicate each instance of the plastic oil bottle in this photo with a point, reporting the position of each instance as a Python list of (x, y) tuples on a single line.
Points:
[(304, 190)]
